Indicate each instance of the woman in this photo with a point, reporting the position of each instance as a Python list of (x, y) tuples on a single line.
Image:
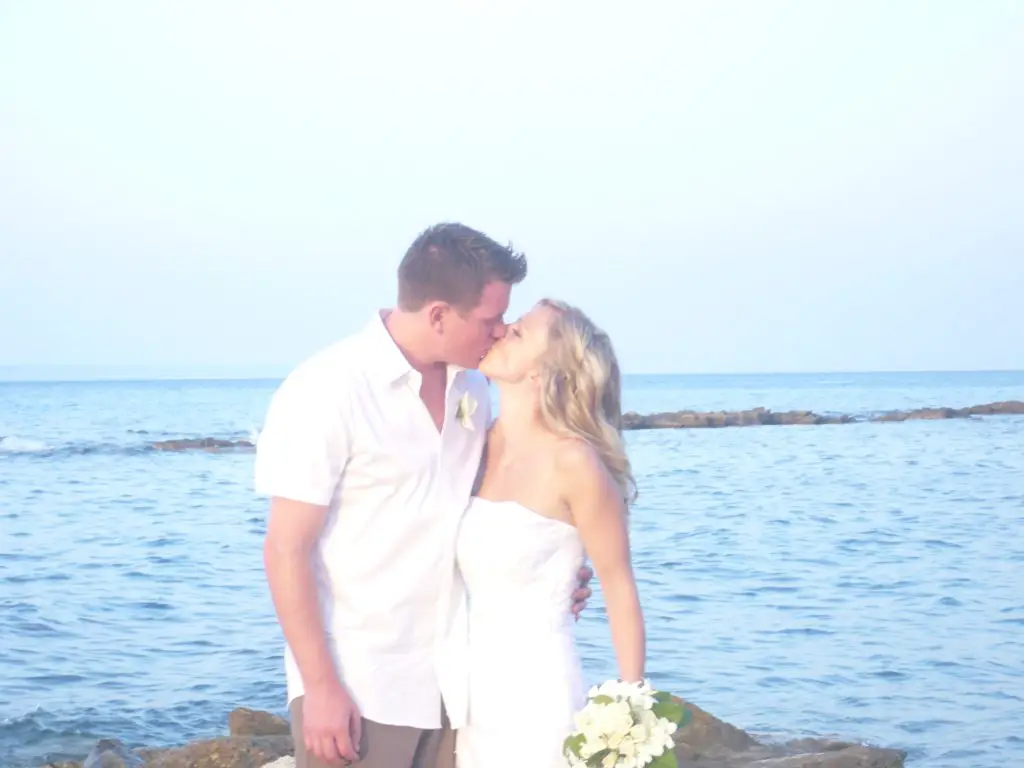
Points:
[(555, 484)]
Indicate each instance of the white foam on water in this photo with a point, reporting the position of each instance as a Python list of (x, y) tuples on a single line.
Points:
[(14, 444)]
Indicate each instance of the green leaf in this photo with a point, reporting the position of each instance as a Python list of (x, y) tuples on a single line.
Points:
[(670, 710), (666, 759), (573, 744), (661, 696), (596, 758), (602, 699)]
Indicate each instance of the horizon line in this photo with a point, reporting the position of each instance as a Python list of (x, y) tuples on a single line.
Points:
[(198, 377)]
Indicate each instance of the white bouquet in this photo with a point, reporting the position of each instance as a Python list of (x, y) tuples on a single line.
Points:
[(625, 725)]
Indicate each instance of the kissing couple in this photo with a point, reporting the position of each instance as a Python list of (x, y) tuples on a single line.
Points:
[(426, 565)]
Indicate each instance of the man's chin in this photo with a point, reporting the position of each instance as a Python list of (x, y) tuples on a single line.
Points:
[(467, 363)]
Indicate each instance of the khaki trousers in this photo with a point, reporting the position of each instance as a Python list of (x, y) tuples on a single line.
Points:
[(385, 746)]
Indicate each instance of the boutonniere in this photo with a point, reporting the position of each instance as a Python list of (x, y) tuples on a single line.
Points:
[(466, 409)]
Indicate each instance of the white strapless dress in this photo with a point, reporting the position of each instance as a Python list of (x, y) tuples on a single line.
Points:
[(525, 681)]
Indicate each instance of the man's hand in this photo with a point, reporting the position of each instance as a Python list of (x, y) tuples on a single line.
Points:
[(583, 593), (331, 724)]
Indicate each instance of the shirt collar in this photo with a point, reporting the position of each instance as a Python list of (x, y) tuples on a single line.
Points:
[(388, 360)]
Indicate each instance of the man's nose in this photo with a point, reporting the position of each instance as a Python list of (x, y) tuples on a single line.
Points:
[(499, 331)]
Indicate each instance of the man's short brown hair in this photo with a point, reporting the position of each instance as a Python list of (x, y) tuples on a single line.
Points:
[(452, 263)]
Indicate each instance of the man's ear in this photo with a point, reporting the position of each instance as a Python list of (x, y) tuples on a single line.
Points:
[(436, 312)]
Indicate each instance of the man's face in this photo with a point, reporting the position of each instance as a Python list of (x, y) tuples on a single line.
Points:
[(520, 353), (469, 335)]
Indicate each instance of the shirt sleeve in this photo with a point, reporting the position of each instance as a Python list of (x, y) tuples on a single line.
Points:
[(304, 444)]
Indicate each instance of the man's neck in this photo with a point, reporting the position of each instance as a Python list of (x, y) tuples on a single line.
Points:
[(407, 331)]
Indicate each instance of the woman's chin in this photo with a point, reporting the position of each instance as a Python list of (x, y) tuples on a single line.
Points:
[(487, 369)]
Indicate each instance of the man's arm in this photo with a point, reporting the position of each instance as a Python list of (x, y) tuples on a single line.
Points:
[(300, 459), (288, 552), (583, 592)]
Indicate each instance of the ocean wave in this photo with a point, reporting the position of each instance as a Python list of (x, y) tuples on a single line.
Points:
[(27, 738)]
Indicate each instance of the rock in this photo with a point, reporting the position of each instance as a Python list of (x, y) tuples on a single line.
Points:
[(924, 413), (230, 752), (707, 742), (717, 419), (704, 742), (1004, 408), (252, 722), (705, 731), (111, 753), (203, 443), (764, 417), (850, 757)]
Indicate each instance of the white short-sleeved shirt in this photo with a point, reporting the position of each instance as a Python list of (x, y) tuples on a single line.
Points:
[(348, 429)]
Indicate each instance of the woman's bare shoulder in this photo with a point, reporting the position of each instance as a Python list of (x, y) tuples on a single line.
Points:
[(577, 460)]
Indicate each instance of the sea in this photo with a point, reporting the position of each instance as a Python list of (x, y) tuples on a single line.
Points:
[(860, 581)]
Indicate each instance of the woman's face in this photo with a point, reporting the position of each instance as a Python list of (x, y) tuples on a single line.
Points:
[(518, 354)]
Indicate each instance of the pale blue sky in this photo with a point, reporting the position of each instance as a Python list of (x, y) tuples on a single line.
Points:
[(725, 186)]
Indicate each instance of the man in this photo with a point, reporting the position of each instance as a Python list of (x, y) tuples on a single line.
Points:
[(369, 453)]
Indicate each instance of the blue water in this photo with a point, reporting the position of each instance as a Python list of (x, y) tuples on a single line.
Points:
[(864, 581)]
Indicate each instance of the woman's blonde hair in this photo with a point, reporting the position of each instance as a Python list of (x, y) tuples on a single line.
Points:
[(581, 390)]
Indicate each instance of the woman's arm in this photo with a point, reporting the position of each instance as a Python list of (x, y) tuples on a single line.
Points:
[(599, 512)]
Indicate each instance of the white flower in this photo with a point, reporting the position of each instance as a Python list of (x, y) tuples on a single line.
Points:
[(465, 410), (614, 721), (619, 719)]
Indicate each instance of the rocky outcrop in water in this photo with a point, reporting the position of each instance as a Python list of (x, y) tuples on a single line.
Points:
[(707, 742), (200, 444), (765, 417), (753, 417), (258, 739), (712, 419), (1006, 407)]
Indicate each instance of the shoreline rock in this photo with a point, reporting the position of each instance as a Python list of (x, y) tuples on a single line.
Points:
[(756, 417), (260, 740)]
